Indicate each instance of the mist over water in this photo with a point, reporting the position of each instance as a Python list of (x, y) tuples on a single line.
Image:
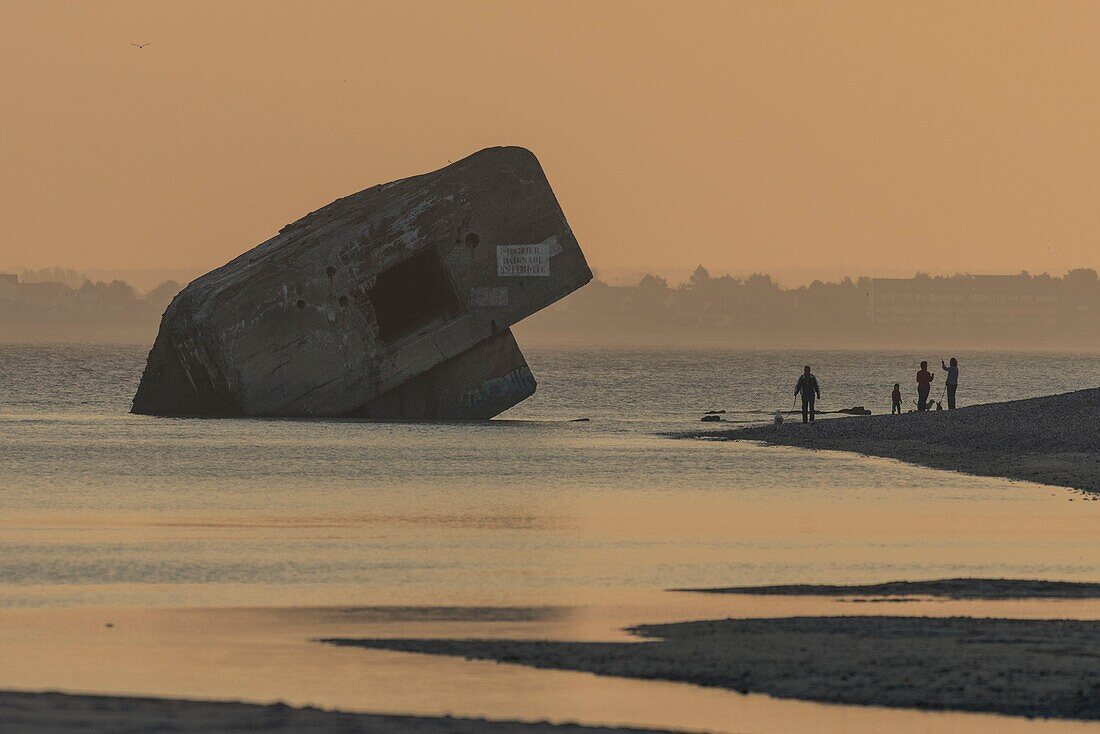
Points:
[(105, 508)]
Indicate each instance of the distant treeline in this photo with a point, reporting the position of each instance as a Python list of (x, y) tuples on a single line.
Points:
[(64, 288), (62, 305), (1012, 311)]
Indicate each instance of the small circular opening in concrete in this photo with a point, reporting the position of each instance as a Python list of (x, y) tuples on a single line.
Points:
[(472, 240), (343, 300), (301, 303)]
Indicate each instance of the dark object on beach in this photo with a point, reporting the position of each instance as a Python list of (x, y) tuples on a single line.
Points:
[(394, 302), (580, 420), (714, 412), (1019, 667), (711, 418), (857, 410)]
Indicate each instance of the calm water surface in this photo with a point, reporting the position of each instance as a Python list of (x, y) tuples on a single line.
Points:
[(103, 507)]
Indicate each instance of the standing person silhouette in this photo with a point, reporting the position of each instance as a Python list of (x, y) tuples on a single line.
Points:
[(895, 400), (807, 387), (924, 386), (952, 381)]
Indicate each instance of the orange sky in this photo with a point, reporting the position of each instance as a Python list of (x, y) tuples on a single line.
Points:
[(759, 135)]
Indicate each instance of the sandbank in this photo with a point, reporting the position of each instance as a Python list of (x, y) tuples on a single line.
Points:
[(960, 588), (1050, 440)]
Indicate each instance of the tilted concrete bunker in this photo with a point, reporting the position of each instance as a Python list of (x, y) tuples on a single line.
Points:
[(394, 302)]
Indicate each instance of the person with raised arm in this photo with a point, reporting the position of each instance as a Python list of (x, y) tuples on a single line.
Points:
[(952, 381)]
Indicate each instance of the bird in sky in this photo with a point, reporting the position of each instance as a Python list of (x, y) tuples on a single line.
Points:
[(140, 45)]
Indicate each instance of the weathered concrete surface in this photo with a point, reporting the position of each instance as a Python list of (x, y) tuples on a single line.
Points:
[(406, 288), (482, 381)]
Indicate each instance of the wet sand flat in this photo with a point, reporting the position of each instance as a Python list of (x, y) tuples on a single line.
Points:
[(1050, 440), (265, 655), (1032, 668), (959, 589), (61, 713)]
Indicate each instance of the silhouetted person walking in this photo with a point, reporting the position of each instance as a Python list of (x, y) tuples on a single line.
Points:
[(952, 381), (895, 400), (924, 386), (808, 389)]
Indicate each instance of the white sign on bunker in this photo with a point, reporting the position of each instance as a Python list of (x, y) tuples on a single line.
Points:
[(523, 260)]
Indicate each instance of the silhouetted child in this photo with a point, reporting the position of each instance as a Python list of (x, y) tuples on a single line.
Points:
[(895, 399)]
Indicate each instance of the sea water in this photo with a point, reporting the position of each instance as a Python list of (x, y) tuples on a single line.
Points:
[(100, 506)]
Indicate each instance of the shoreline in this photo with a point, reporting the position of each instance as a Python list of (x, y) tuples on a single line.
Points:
[(1052, 440)]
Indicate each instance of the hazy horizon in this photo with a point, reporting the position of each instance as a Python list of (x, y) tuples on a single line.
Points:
[(746, 137), (144, 279)]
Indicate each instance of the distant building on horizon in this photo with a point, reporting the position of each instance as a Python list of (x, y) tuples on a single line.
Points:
[(9, 286), (966, 302), (45, 295)]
